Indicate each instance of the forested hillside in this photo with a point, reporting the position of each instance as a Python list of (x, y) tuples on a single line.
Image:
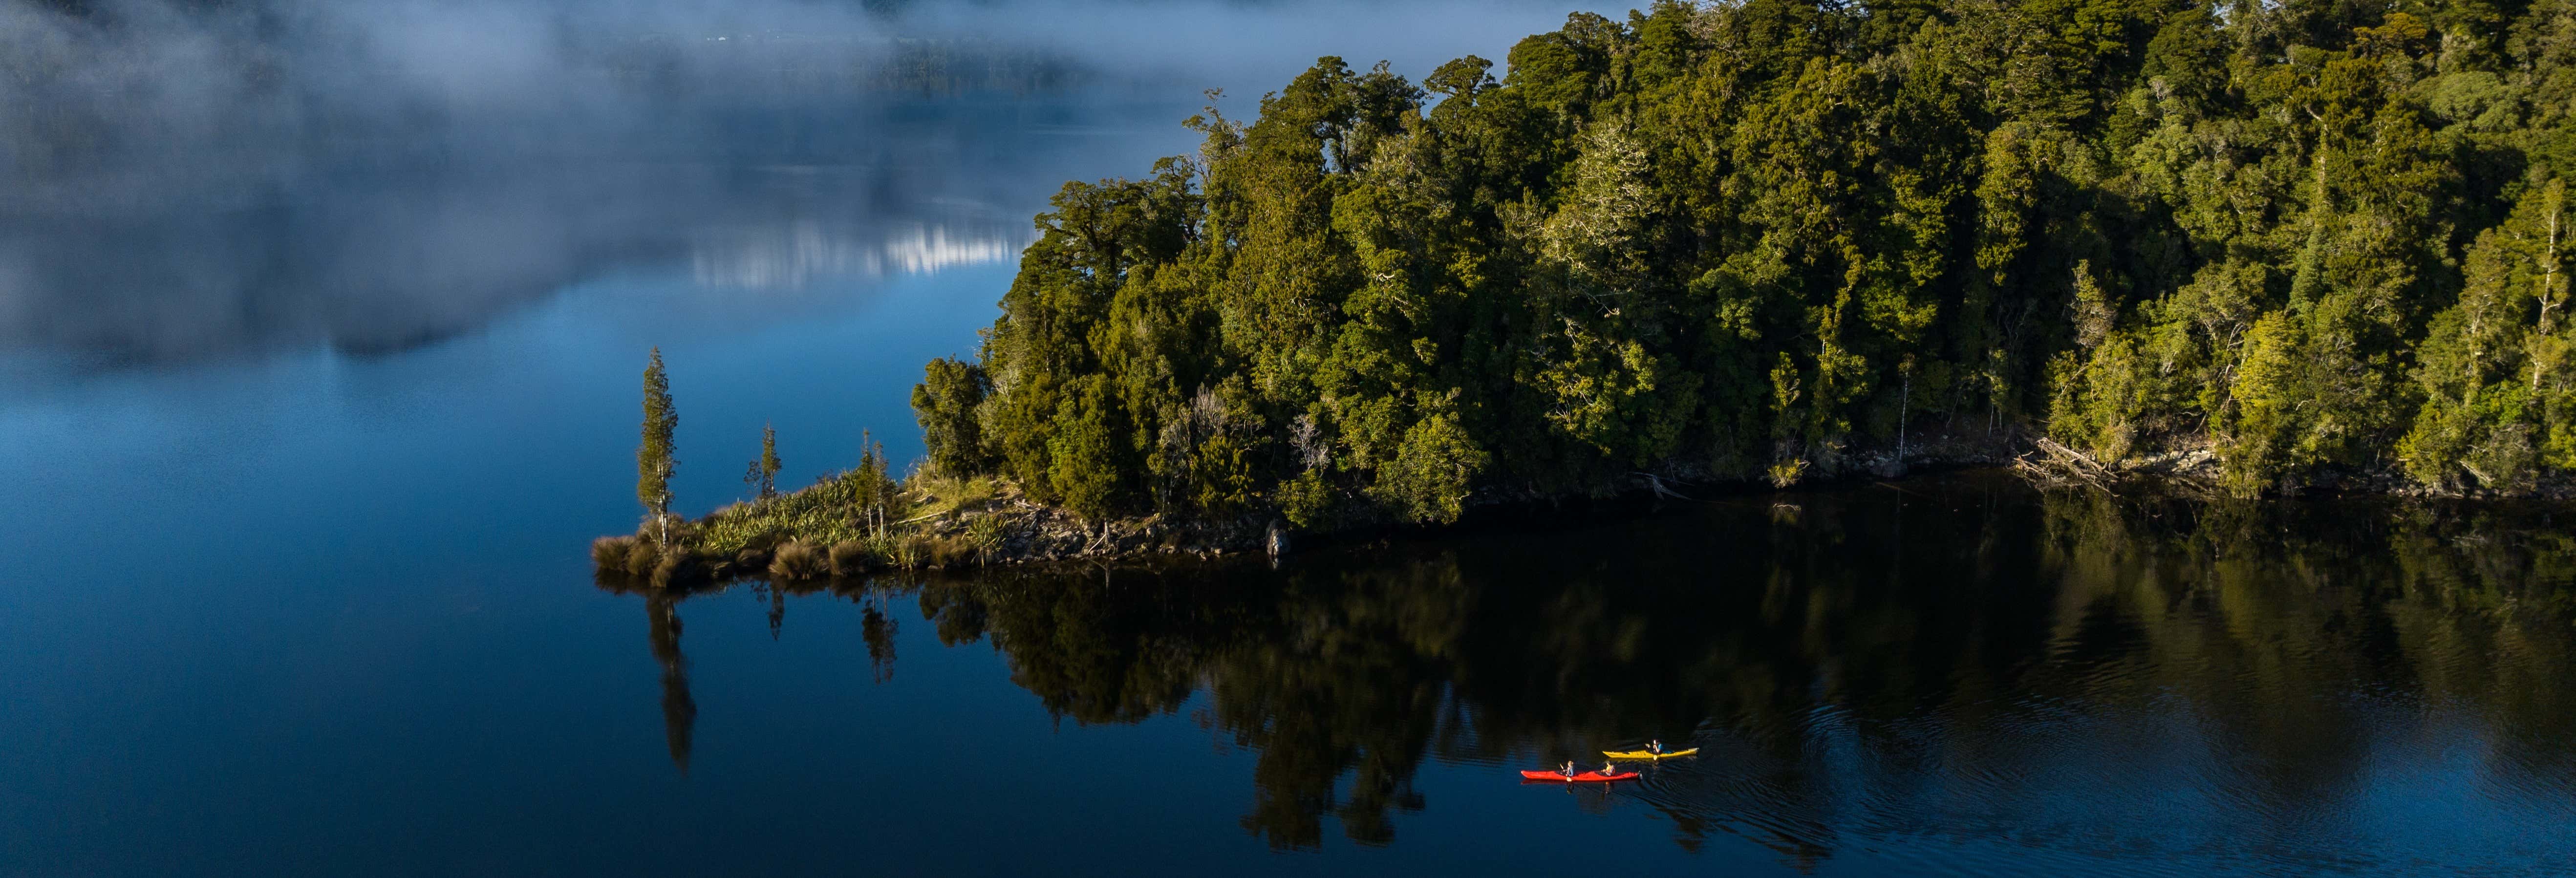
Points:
[(1743, 240)]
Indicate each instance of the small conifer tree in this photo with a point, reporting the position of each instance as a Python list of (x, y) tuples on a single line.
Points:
[(762, 475), (654, 462), (875, 490), (769, 464)]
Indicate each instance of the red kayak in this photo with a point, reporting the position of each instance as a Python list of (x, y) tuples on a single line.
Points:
[(1586, 777)]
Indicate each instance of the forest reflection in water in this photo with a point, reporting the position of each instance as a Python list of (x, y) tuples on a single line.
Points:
[(1955, 658)]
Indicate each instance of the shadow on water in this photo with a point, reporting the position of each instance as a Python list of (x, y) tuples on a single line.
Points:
[(1956, 659)]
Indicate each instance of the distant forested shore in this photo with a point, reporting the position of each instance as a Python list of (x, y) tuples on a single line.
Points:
[(2259, 247)]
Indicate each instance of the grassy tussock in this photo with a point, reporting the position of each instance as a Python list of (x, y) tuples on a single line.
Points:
[(672, 564), (642, 556), (798, 559), (851, 558), (609, 553), (952, 552)]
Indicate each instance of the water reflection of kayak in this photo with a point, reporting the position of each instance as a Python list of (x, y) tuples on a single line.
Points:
[(1646, 754), (1586, 777)]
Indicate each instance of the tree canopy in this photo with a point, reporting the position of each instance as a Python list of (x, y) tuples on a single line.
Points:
[(1742, 240)]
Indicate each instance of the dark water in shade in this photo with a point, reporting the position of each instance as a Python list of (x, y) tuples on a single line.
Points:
[(1951, 675), (310, 596)]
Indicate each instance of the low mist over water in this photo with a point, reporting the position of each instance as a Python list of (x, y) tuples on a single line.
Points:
[(368, 258), (186, 180)]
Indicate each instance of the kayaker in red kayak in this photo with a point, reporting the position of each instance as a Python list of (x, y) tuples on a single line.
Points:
[(1609, 769), (1567, 774)]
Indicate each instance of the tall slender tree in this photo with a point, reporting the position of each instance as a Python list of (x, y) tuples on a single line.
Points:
[(769, 465), (874, 487), (654, 462)]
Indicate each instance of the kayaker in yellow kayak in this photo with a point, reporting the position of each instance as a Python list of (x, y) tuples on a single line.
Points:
[(1653, 751)]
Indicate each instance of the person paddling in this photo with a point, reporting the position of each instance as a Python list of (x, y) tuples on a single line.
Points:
[(1567, 769), (1655, 746), (1609, 769)]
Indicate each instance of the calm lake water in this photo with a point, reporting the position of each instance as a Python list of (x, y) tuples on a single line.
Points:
[(298, 585)]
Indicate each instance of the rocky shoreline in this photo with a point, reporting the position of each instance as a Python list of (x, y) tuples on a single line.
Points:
[(2193, 469)]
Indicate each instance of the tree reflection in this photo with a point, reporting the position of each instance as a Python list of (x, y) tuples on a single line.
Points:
[(1955, 656), (878, 630), (679, 711)]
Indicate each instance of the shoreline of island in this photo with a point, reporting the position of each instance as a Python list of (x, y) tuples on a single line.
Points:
[(933, 522)]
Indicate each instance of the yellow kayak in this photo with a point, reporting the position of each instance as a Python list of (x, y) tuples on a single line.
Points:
[(1643, 754)]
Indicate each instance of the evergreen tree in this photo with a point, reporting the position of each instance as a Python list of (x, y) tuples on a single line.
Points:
[(654, 460), (769, 463), (762, 475), (946, 403), (872, 489)]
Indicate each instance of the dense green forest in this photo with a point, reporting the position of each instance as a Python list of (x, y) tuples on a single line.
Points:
[(1751, 240)]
